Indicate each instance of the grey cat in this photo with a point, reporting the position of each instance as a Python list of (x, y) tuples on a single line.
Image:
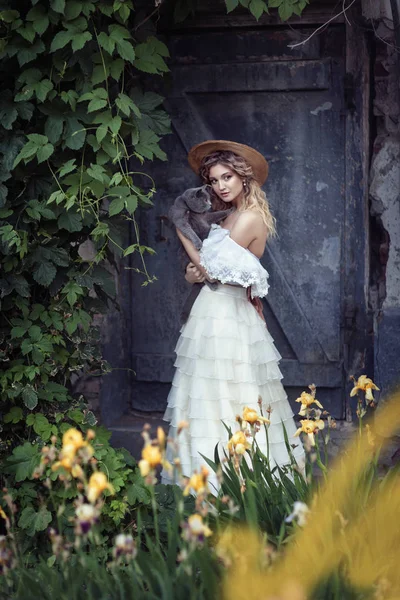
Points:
[(191, 214)]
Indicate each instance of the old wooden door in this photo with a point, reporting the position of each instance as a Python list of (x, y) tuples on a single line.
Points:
[(247, 85)]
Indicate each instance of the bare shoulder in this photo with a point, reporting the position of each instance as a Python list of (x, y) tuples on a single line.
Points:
[(250, 232), (250, 219)]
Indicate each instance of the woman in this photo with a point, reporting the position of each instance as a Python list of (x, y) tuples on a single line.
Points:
[(226, 358)]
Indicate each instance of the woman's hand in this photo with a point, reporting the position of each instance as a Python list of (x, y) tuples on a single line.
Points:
[(193, 274)]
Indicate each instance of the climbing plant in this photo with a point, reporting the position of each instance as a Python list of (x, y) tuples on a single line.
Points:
[(74, 121), (286, 8)]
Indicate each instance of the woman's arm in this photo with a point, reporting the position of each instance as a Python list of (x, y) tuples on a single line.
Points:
[(191, 251), (193, 274)]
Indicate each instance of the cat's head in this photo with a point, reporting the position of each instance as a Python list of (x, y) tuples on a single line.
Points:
[(198, 199)]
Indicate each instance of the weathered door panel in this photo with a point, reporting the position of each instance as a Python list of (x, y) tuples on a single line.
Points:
[(292, 111)]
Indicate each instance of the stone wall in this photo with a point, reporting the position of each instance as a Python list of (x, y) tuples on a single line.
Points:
[(384, 186)]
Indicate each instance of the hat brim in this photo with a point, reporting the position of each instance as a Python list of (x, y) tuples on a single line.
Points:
[(251, 156)]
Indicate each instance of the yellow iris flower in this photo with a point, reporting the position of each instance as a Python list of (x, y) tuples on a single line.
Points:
[(310, 427), (151, 458), (98, 482), (252, 417), (238, 444), (306, 401), (364, 384), (198, 483), (197, 527), (73, 438)]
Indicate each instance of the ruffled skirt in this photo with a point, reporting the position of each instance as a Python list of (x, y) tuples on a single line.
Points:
[(226, 359)]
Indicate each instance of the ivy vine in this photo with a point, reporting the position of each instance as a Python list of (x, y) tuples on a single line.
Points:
[(73, 119), (286, 8)]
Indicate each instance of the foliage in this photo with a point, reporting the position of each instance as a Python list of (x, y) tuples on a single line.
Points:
[(286, 8), (25, 481), (191, 547), (74, 121)]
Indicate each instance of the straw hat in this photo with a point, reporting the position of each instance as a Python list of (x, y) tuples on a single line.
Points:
[(251, 156)]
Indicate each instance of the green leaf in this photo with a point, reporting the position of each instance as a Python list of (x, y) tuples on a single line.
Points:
[(118, 32), (106, 42), (30, 397), (25, 110), (125, 104), (26, 347), (15, 415), (285, 11), (115, 124), (67, 167), (23, 461), (71, 221), (146, 102), (80, 39), (100, 231), (138, 492), (35, 333), (148, 145), (126, 51), (53, 128), (44, 273), (231, 5), (131, 249), (70, 97), (116, 206), (116, 68), (30, 53), (37, 356), (58, 5), (99, 74), (60, 40), (41, 425), (72, 291), (98, 172), (274, 3), (8, 112), (8, 16), (101, 132), (44, 152), (26, 154), (42, 89), (72, 324), (21, 286), (96, 104), (37, 145), (73, 9), (32, 521), (131, 203), (27, 32), (39, 18), (75, 134), (149, 56), (59, 256), (257, 8)]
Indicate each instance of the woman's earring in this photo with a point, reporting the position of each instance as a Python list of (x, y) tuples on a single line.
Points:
[(244, 184)]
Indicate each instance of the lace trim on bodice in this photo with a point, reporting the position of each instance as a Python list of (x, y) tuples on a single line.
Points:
[(226, 260)]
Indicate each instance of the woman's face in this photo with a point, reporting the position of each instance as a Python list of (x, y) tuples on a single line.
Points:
[(226, 183)]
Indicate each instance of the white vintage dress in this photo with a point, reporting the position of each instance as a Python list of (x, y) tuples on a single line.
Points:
[(226, 359)]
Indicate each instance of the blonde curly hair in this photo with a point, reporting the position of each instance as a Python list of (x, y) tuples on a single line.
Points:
[(254, 198)]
